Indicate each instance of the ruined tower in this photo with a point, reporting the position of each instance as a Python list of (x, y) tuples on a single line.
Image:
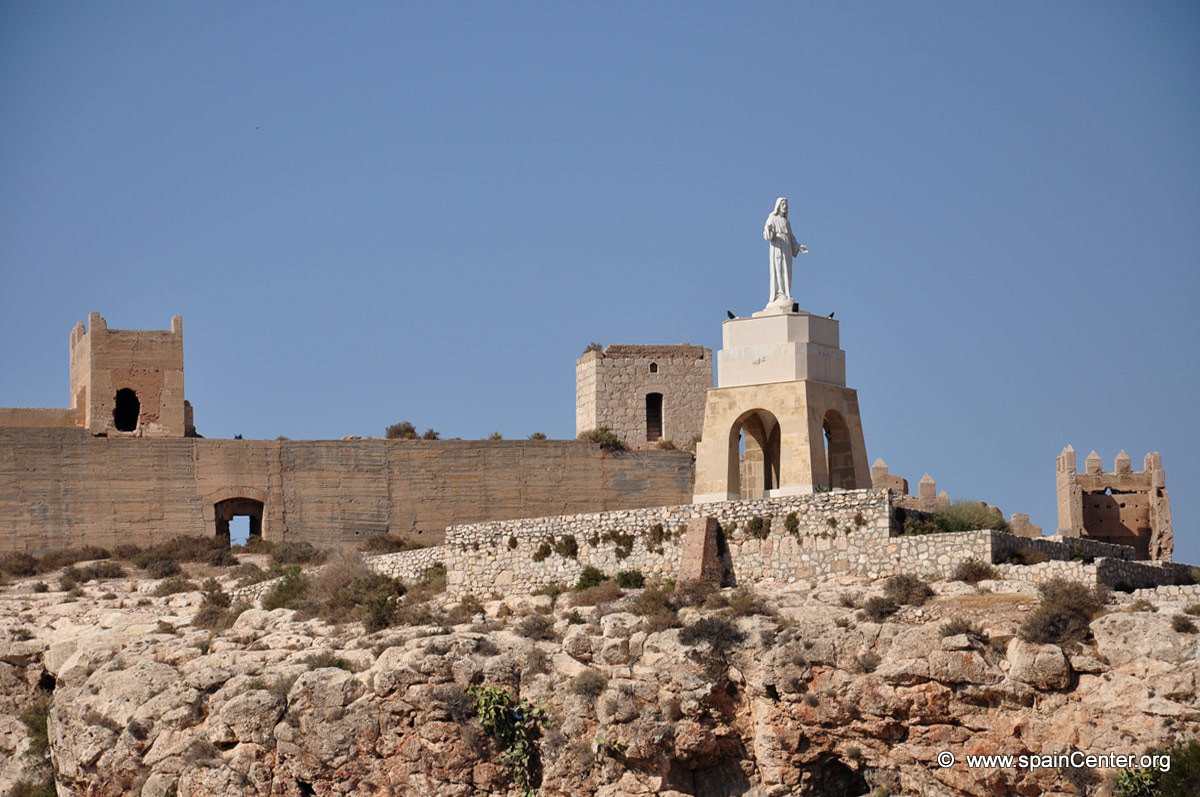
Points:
[(1123, 506), (129, 381)]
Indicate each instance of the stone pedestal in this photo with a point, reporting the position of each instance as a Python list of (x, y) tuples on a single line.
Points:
[(781, 385)]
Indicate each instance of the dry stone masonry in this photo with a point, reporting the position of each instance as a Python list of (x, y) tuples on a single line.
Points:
[(644, 394)]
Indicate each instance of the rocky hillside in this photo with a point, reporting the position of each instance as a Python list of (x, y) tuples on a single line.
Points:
[(805, 688)]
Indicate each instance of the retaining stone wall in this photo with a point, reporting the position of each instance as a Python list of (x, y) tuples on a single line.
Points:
[(504, 555)]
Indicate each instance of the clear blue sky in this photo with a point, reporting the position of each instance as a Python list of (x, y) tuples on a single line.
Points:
[(372, 212)]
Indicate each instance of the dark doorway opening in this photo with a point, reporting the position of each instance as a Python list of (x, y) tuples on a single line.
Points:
[(654, 425), (126, 410), (232, 508)]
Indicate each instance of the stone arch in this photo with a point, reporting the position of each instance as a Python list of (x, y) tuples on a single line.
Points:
[(839, 456), (753, 466), (221, 506)]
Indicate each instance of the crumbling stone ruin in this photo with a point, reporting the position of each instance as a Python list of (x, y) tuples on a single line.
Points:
[(1123, 506), (646, 395)]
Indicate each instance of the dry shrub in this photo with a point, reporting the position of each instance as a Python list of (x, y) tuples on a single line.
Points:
[(972, 571), (907, 589), (18, 564), (1065, 612), (173, 586), (589, 684), (388, 543), (53, 560), (879, 608), (606, 592), (537, 627), (744, 603)]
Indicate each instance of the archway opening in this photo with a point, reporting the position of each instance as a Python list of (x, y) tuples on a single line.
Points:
[(754, 455), (839, 459), (126, 409), (654, 419), (226, 511)]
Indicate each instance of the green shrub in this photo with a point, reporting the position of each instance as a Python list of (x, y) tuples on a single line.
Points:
[(792, 524), (553, 590), (606, 438), (972, 571), (1142, 605), (538, 436), (1064, 613), (655, 538), (430, 434), (630, 579), (567, 547), (759, 527), (907, 589), (402, 431), (590, 577), (288, 591), (966, 515), (718, 632), (877, 609), (543, 552)]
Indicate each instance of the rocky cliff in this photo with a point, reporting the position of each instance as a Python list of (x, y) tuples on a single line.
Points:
[(792, 691)]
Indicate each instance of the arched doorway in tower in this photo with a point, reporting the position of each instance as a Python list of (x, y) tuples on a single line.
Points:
[(839, 458), (229, 511), (754, 455)]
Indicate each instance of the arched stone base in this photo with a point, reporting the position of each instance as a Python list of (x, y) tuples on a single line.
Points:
[(794, 454)]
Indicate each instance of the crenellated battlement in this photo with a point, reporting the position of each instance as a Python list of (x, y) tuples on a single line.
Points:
[(1122, 506)]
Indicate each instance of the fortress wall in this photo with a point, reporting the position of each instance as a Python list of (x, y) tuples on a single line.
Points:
[(61, 488), (64, 487), (39, 417)]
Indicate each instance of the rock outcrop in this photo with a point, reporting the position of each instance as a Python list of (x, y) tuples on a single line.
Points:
[(809, 699)]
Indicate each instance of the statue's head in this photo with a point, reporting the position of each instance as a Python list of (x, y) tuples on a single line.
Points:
[(781, 206)]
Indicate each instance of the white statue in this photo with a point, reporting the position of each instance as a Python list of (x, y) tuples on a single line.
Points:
[(778, 233)]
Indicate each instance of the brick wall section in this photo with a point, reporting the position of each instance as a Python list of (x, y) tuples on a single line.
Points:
[(611, 388), (63, 487)]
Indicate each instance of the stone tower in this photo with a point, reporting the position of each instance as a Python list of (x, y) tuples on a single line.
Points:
[(645, 394), (129, 381), (781, 420), (1123, 506)]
